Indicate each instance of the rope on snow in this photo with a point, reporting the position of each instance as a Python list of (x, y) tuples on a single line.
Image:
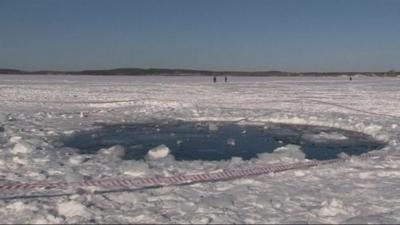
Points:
[(136, 183)]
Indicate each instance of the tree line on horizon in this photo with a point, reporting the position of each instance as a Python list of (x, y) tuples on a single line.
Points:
[(189, 72)]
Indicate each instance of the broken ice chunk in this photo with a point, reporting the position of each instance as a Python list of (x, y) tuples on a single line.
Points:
[(116, 151), (231, 142), (158, 152), (213, 127)]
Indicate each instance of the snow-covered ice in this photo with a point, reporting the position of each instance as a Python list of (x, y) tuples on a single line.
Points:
[(117, 151), (282, 154), (37, 110), (158, 152)]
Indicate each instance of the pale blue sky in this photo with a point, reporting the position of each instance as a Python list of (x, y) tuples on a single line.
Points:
[(290, 35)]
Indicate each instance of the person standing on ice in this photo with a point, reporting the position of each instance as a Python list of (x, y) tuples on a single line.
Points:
[(226, 79), (215, 79)]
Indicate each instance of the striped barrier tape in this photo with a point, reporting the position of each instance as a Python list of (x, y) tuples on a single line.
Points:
[(135, 183)]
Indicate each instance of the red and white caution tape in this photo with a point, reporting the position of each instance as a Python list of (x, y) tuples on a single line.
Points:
[(136, 183)]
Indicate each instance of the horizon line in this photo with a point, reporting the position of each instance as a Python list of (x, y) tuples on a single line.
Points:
[(188, 69)]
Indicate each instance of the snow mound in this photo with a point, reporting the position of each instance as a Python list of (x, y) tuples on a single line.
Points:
[(331, 208), (116, 151), (72, 208), (76, 159), (20, 160), (158, 152), (21, 206), (23, 147), (134, 168), (15, 139), (47, 219)]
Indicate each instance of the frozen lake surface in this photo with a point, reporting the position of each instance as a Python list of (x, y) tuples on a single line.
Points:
[(37, 110)]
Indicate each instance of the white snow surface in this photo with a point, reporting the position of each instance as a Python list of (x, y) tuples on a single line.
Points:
[(36, 110)]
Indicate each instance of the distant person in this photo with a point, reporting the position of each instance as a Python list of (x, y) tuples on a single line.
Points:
[(226, 79), (215, 79), (350, 78)]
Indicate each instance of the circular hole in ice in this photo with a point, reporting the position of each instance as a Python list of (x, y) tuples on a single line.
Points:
[(222, 140)]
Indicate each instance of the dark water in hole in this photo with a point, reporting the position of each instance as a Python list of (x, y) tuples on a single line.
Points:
[(200, 140)]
